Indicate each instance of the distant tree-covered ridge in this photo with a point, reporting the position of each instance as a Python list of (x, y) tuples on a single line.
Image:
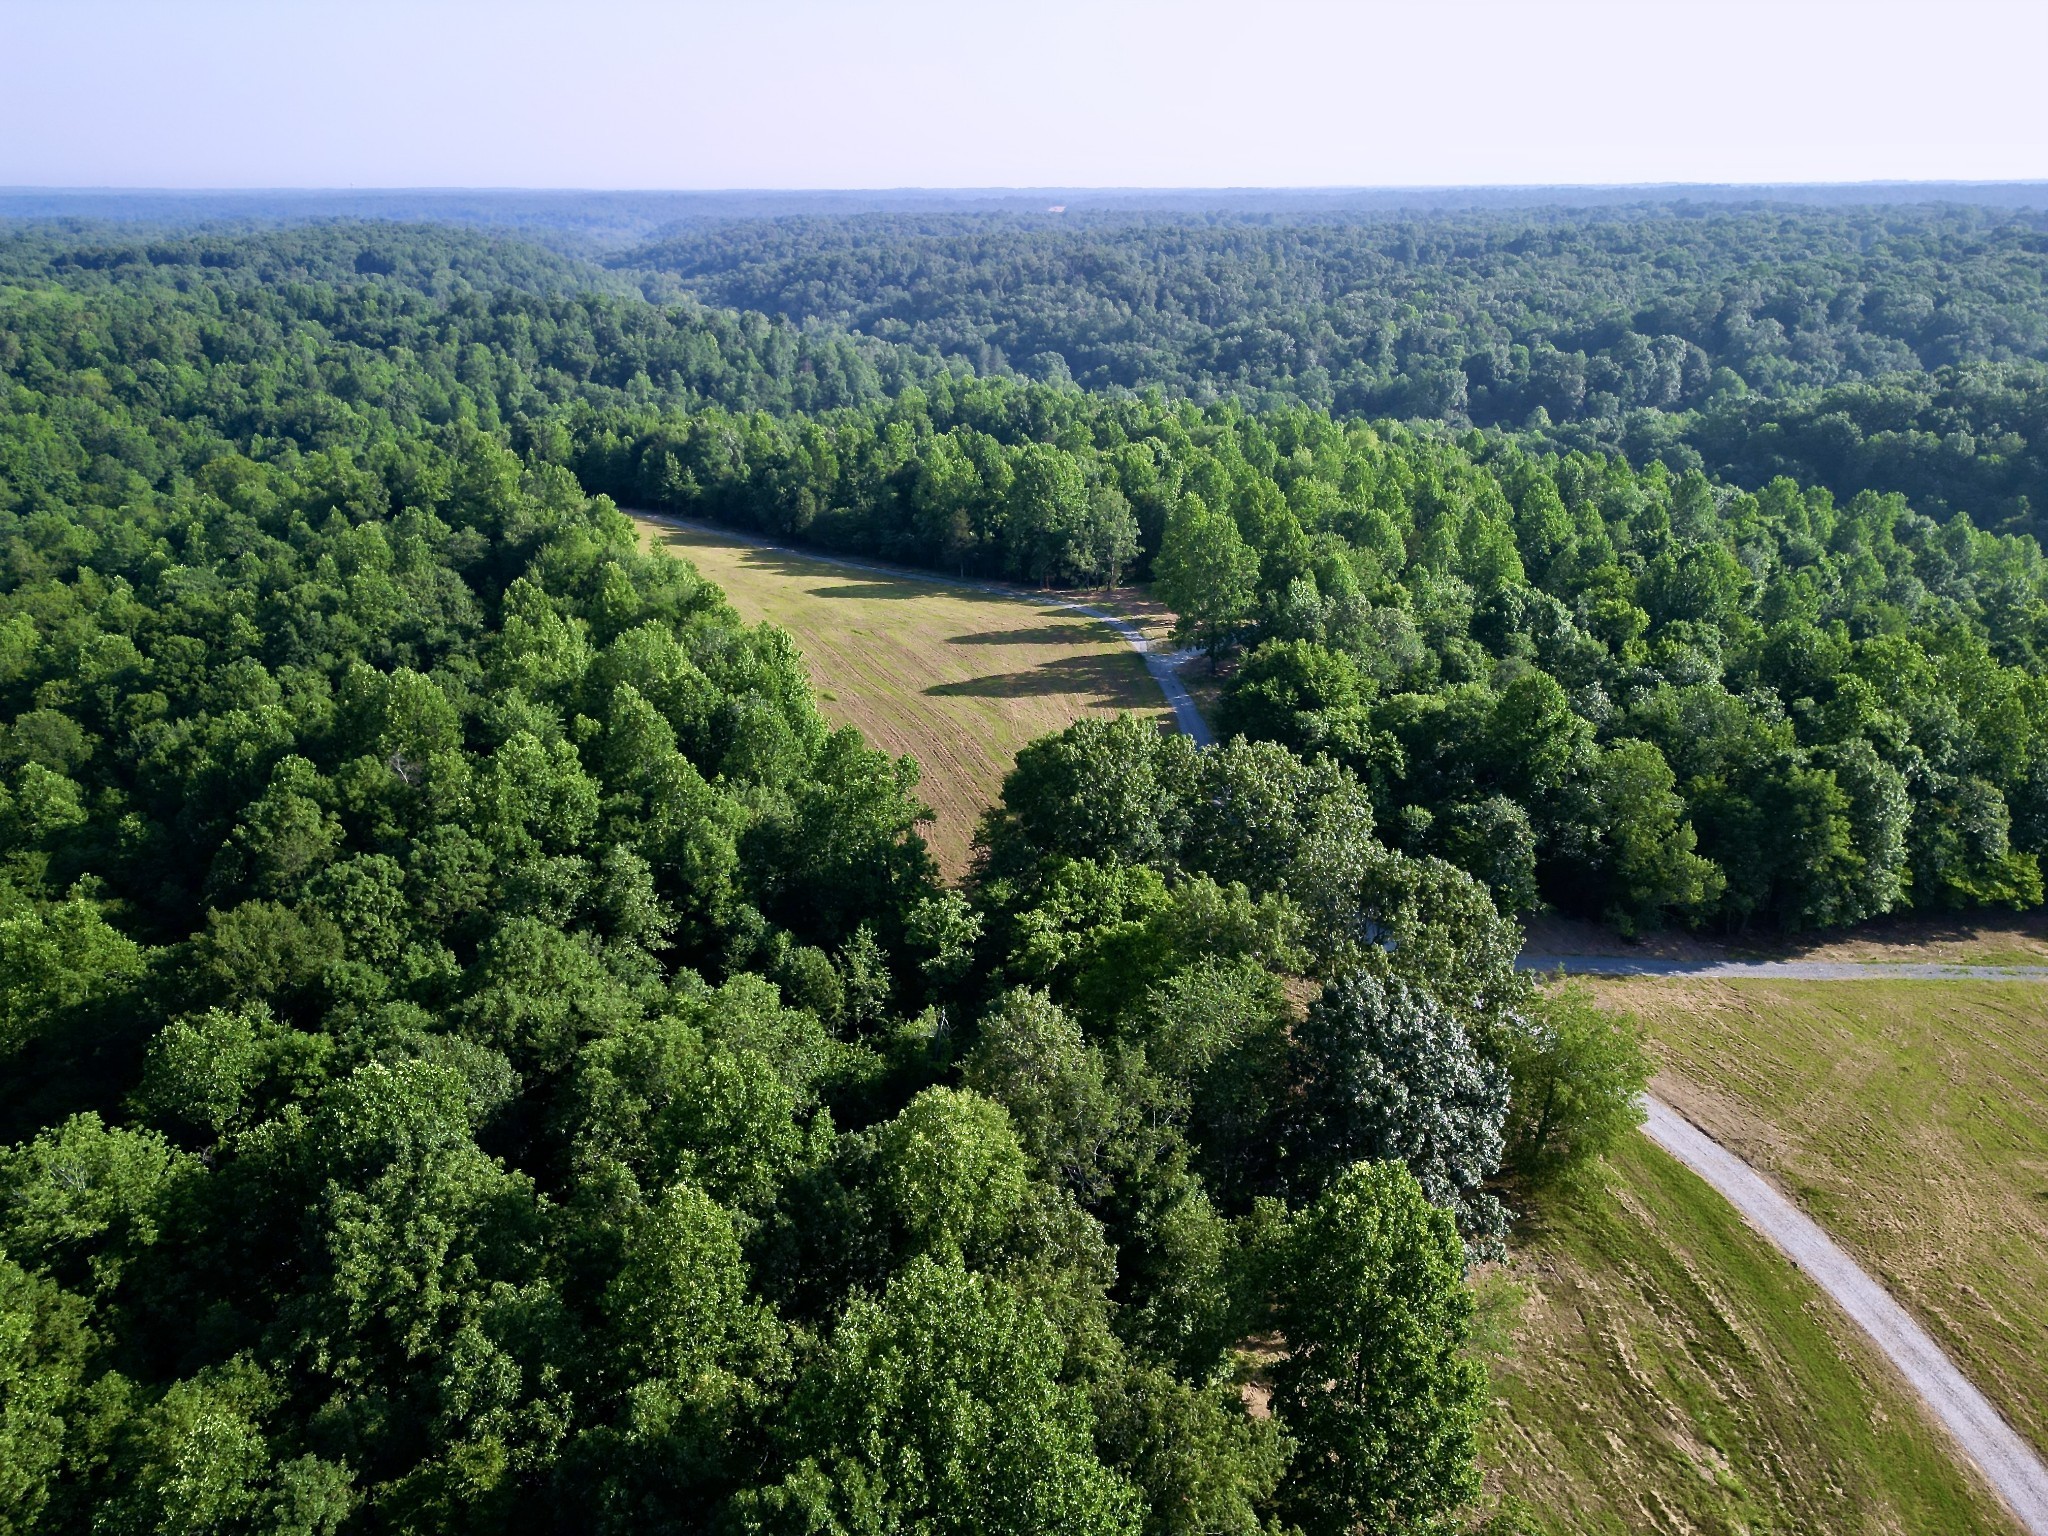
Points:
[(1894, 348), (1585, 315), (478, 1053), (339, 322), (1674, 330), (434, 260)]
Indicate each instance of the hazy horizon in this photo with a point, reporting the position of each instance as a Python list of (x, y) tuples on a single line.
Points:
[(802, 95), (968, 189)]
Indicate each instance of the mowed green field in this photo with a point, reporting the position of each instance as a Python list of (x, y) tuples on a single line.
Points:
[(1910, 1119), (959, 679), (1669, 1371)]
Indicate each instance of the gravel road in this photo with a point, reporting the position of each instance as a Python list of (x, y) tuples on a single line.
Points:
[(2008, 1462)]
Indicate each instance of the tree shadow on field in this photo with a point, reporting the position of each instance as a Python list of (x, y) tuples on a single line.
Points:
[(848, 582), (1110, 677), (858, 584), (2019, 931), (880, 586), (804, 568), (1074, 632)]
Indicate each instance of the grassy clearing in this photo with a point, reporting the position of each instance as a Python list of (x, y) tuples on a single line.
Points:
[(1669, 1371), (1911, 1120), (958, 679)]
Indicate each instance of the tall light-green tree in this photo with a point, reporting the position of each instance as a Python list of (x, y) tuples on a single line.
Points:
[(1376, 1389), (1049, 525), (939, 1408), (1107, 539), (1207, 573)]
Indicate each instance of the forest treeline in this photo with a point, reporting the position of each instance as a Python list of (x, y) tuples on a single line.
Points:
[(478, 1053), (1670, 331), (438, 262), (1623, 692), (412, 325), (1626, 694)]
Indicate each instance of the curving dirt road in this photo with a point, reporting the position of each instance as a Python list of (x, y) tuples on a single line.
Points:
[(2007, 1461)]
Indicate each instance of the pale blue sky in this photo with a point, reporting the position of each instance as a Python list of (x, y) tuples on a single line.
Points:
[(798, 94)]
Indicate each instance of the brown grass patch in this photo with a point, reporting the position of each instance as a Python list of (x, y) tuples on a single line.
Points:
[(956, 678)]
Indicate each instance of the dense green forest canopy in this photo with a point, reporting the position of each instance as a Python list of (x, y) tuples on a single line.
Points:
[(437, 262), (477, 1052), (1773, 707), (1902, 346), (1888, 347), (1582, 315), (409, 324)]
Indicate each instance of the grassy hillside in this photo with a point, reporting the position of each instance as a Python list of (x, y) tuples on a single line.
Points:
[(1911, 1119), (1671, 1372), (957, 678)]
